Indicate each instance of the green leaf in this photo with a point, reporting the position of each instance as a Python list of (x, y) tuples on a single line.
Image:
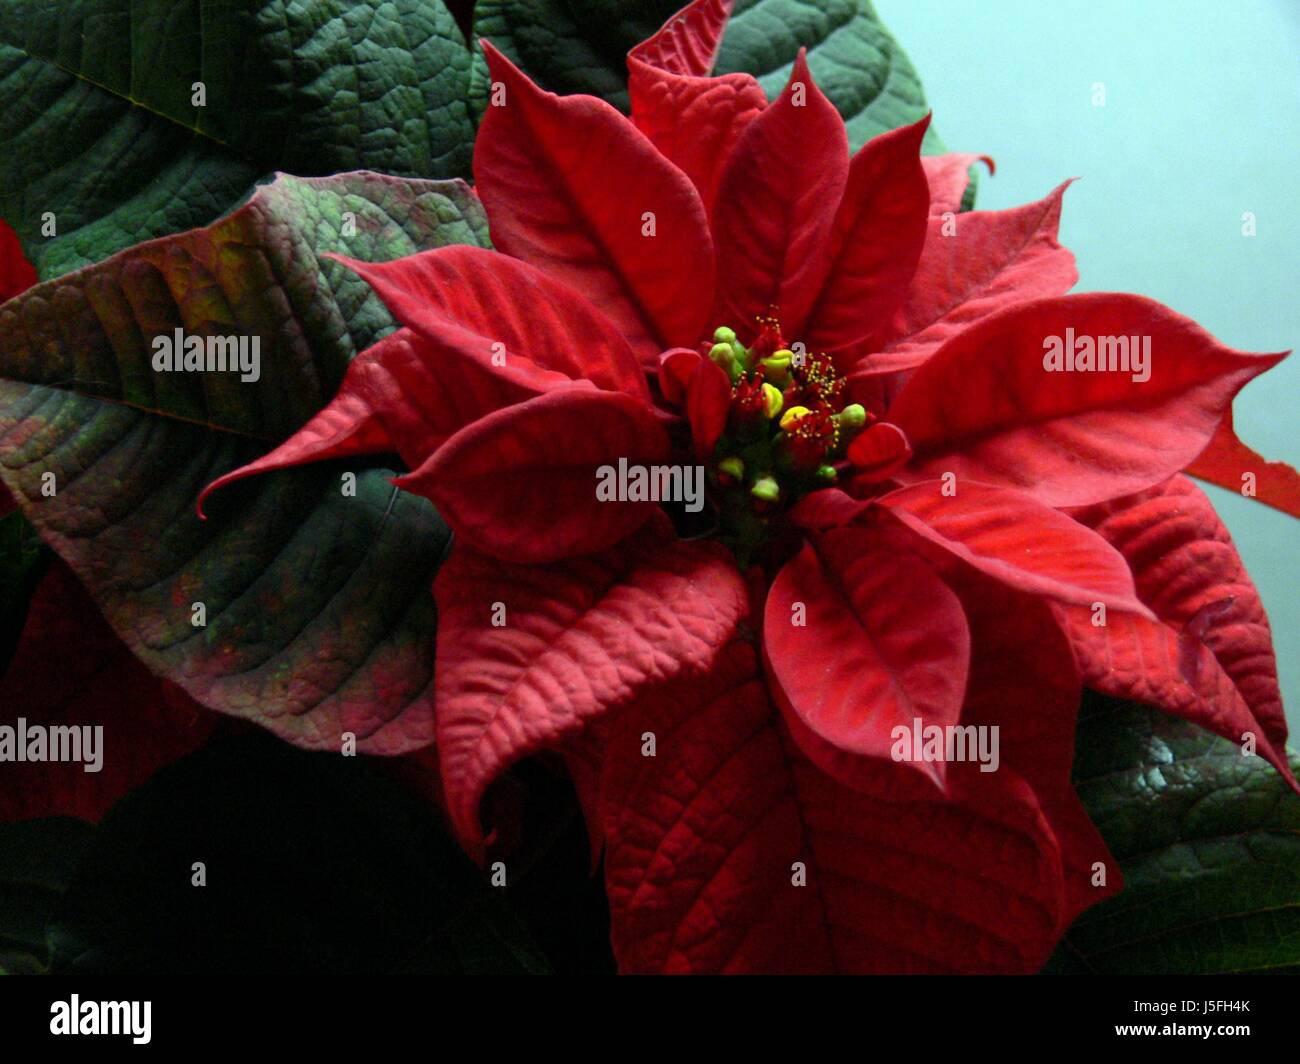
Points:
[(319, 617), (98, 118), (1209, 842), (853, 58), (312, 863), (37, 861)]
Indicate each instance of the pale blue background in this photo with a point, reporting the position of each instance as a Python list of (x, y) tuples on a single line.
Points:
[(1201, 123)]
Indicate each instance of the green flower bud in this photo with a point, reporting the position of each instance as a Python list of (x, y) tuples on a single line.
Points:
[(733, 467), (766, 489), (853, 416), (725, 357), (777, 367)]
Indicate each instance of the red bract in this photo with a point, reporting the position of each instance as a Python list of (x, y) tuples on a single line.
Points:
[(16, 273), (778, 718), (49, 687)]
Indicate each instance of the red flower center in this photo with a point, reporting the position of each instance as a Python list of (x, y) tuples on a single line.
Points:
[(787, 428)]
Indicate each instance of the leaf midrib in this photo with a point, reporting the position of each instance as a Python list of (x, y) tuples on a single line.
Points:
[(79, 76)]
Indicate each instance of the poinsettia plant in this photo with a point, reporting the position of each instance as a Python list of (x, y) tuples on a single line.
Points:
[(820, 710)]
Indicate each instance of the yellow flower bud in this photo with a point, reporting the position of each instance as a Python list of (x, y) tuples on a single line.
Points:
[(775, 400), (794, 414)]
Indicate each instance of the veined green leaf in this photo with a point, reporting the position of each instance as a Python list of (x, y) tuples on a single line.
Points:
[(1209, 842), (108, 142)]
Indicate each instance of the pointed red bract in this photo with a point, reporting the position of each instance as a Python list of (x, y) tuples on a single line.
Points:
[(636, 245), (984, 407), (730, 852), (972, 267), (693, 119), (775, 210), (863, 638), (71, 670), (521, 484), (875, 243), (572, 642), (1018, 541), (515, 308), (948, 175), (708, 398), (687, 44), (392, 399), (1229, 463), (1209, 658)]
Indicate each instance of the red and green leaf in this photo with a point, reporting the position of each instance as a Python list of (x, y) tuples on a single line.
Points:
[(319, 619)]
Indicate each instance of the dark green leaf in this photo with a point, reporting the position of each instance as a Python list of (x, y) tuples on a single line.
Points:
[(568, 46), (100, 129), (22, 561), (312, 863), (37, 860), (1209, 842), (319, 617), (552, 885)]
